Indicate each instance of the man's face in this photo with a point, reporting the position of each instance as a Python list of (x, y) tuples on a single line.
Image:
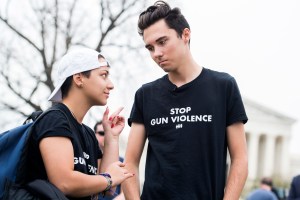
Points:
[(164, 45), (100, 135)]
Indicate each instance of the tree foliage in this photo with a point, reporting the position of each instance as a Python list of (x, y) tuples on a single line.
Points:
[(36, 33)]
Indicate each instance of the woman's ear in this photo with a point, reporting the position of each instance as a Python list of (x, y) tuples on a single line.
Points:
[(77, 78)]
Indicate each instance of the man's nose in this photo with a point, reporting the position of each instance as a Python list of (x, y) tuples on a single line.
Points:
[(157, 52)]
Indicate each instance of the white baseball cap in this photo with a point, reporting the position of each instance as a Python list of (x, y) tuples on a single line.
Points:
[(74, 62)]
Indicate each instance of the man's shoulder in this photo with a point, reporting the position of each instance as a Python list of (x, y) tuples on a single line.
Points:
[(154, 83), (217, 74), (296, 179)]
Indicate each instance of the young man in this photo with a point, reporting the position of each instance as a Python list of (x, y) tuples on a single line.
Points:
[(100, 135), (190, 116), (65, 151)]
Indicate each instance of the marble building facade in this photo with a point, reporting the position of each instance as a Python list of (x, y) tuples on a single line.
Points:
[(268, 135)]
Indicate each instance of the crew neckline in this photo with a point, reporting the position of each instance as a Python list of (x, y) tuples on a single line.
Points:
[(171, 86)]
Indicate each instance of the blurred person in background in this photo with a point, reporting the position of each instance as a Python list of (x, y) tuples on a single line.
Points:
[(264, 192), (294, 193)]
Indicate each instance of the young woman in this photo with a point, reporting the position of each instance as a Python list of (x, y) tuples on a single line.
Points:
[(65, 151)]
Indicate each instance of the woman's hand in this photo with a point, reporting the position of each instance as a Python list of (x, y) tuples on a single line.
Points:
[(118, 173), (114, 124)]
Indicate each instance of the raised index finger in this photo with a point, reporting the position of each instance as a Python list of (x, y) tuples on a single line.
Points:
[(116, 113)]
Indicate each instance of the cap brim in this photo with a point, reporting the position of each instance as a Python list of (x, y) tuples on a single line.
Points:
[(56, 94)]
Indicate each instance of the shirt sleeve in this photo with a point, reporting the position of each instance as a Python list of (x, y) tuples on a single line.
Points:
[(235, 107), (53, 124), (136, 114)]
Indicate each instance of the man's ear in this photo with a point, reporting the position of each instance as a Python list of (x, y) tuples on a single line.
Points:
[(77, 78), (186, 35)]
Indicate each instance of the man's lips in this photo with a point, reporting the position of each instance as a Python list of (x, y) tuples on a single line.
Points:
[(162, 62)]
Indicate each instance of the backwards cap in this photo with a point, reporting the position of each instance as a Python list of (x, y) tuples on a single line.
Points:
[(74, 62)]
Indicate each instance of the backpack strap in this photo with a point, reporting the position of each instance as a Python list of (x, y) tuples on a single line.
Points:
[(33, 116)]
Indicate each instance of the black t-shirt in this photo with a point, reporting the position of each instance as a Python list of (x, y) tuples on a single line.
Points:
[(62, 123), (186, 129)]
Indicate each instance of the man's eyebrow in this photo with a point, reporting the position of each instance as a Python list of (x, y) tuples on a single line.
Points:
[(161, 38), (157, 40)]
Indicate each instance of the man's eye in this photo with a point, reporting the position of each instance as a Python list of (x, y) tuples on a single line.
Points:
[(150, 48), (162, 42)]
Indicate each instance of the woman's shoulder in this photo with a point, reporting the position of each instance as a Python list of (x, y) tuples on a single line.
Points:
[(52, 123)]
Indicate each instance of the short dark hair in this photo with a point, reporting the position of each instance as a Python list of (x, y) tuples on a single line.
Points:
[(65, 88), (267, 181), (161, 10)]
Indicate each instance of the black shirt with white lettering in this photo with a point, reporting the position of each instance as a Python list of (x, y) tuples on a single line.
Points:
[(55, 124), (186, 130)]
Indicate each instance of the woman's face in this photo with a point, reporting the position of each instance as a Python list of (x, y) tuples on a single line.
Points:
[(98, 85)]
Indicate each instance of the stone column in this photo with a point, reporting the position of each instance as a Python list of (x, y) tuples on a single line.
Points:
[(252, 155), (285, 159), (268, 167)]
